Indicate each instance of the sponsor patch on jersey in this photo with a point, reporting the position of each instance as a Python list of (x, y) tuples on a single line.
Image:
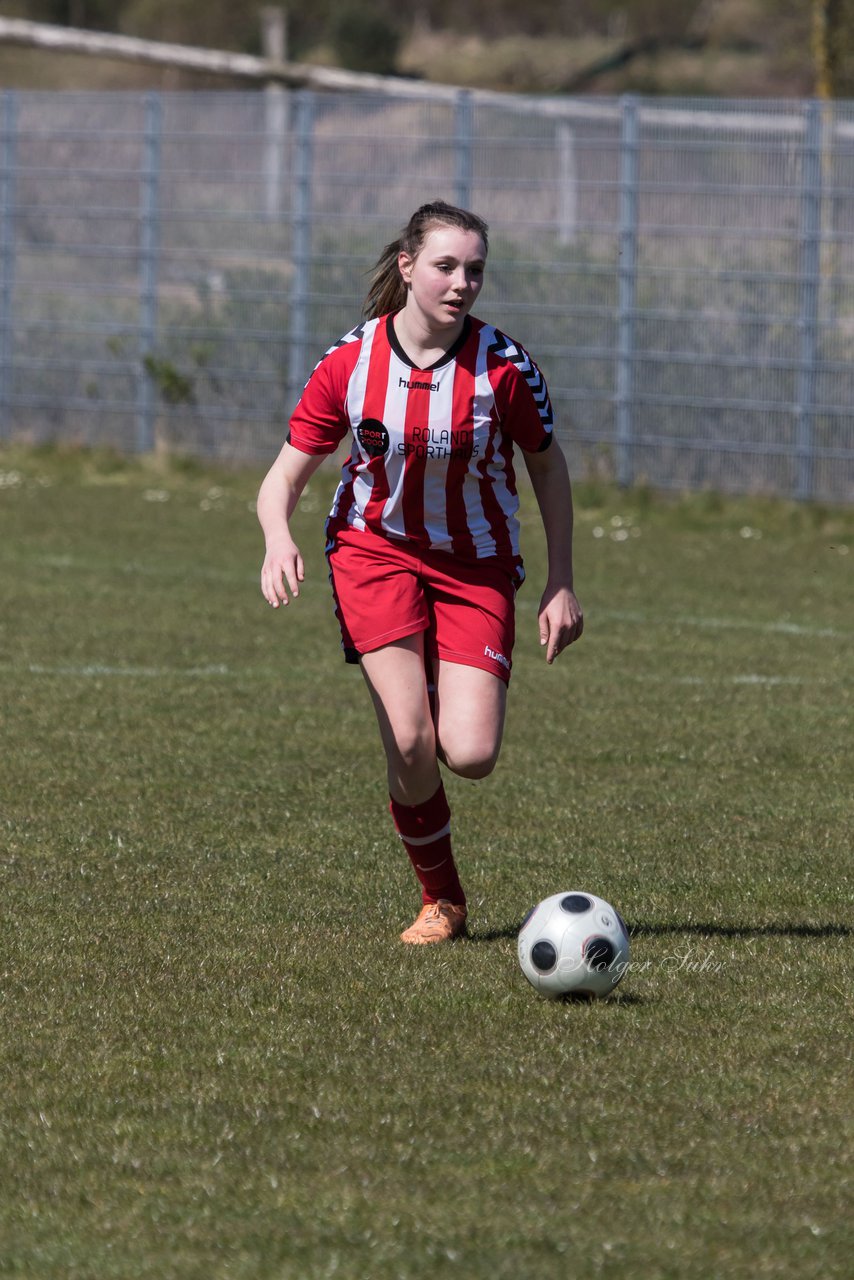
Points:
[(373, 437)]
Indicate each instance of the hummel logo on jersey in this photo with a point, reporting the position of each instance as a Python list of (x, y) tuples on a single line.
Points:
[(418, 386), (496, 657)]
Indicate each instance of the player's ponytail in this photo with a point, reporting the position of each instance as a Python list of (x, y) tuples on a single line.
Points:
[(387, 291)]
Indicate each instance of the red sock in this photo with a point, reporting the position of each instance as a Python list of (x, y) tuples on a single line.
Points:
[(425, 830)]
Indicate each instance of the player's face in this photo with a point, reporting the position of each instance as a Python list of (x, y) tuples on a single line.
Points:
[(445, 276)]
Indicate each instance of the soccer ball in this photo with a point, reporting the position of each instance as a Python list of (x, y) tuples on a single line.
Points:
[(573, 944)]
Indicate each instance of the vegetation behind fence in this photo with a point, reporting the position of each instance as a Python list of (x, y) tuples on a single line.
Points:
[(174, 264)]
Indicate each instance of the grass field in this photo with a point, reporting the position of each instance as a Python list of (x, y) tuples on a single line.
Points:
[(218, 1061)]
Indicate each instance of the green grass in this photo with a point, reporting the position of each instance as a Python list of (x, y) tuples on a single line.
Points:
[(217, 1059)]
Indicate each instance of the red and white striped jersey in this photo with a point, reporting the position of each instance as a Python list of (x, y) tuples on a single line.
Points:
[(432, 454)]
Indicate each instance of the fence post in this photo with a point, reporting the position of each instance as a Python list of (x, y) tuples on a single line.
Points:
[(567, 193), (274, 39), (301, 240), (146, 394), (8, 139), (626, 281), (463, 139), (810, 272)]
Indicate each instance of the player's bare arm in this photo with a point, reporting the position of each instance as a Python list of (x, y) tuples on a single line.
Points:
[(283, 569), (559, 617)]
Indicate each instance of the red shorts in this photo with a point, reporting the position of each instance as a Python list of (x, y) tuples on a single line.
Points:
[(386, 590)]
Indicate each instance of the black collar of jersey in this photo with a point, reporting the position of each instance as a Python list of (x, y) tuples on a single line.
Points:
[(449, 355)]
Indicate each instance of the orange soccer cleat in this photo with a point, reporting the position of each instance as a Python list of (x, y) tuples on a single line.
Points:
[(437, 922)]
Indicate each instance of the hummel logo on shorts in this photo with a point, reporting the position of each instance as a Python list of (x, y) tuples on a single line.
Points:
[(496, 657)]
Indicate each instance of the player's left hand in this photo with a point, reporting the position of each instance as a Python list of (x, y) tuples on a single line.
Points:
[(560, 619)]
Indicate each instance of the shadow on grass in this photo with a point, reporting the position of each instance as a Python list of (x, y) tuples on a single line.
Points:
[(493, 935), (703, 930), (623, 998), (640, 930)]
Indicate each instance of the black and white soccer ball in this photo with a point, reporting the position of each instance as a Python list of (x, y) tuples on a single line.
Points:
[(574, 943)]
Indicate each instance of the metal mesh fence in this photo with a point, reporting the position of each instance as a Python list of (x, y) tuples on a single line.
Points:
[(173, 265)]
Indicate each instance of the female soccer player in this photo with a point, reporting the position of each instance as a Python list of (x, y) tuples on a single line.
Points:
[(423, 540)]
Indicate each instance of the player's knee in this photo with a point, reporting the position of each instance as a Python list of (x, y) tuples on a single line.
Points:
[(473, 764), (415, 745), (475, 769)]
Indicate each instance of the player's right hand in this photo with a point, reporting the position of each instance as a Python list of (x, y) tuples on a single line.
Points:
[(282, 571)]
